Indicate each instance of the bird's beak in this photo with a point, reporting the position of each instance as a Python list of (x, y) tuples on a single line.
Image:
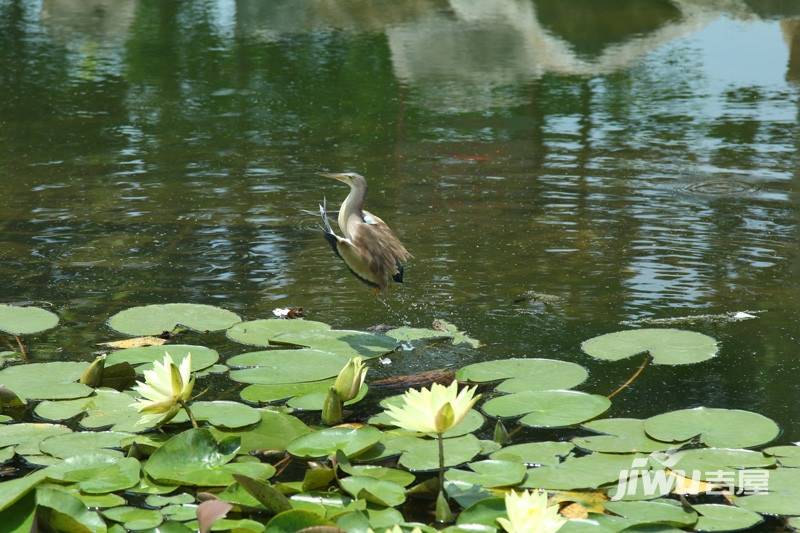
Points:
[(333, 175)]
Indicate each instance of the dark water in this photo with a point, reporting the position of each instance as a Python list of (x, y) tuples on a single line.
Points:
[(633, 158)]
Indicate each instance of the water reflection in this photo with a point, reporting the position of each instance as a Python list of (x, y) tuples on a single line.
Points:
[(632, 161)]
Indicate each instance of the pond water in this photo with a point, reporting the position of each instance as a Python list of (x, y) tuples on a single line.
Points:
[(631, 159)]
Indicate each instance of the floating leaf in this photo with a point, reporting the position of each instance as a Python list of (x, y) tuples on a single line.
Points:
[(143, 358), (459, 337), (341, 342), (286, 366), (194, 457), (714, 517), (552, 408), (136, 342), (97, 473), (133, 518), (314, 401), (274, 432), (619, 435), (156, 500), (483, 512), (666, 346), (400, 477), (17, 320), (525, 374), (421, 455), (535, 453), (374, 490), (294, 521), (13, 490), (156, 319), (69, 444), (788, 456), (783, 497), (283, 391), (667, 512), (589, 472), (259, 332), (222, 414), (489, 473), (107, 408), (26, 437), (408, 334), (46, 381), (708, 462), (722, 428), (19, 518), (324, 443), (64, 512)]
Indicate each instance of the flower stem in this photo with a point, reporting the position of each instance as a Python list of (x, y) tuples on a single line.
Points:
[(441, 460), (189, 414), (23, 351), (632, 378)]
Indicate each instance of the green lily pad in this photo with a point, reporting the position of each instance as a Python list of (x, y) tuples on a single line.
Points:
[(525, 374), (97, 473), (26, 437), (223, 414), (259, 332), (666, 346), (551, 408), (314, 401), (377, 491), (324, 443), (157, 500), (535, 453), (156, 319), (408, 334), (295, 520), (64, 512), (19, 518), (787, 456), (180, 512), (783, 497), (13, 490), (133, 518), (194, 457), (341, 342), (665, 512), (142, 358), (283, 391), (17, 320), (619, 435), (421, 455), (46, 381), (489, 473), (399, 477), (6, 454), (107, 408), (714, 517), (589, 472), (483, 512), (274, 432), (709, 462), (69, 444), (717, 428), (286, 366)]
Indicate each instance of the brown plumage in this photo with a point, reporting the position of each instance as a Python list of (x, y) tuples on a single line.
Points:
[(368, 246)]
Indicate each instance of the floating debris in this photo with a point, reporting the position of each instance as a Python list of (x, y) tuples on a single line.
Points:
[(288, 312)]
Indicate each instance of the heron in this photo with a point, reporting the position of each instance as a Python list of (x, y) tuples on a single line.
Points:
[(368, 247)]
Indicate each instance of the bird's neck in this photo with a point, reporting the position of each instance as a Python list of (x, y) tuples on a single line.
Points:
[(352, 206)]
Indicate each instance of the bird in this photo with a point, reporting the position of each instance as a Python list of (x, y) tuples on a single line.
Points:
[(368, 247)]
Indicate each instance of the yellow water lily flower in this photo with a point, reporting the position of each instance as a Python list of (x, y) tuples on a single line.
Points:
[(349, 381), (528, 513), (164, 390), (434, 410)]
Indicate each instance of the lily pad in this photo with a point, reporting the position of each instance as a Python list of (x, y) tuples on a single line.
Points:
[(46, 381), (525, 374), (26, 437), (64, 512), (274, 432), (156, 319), (589, 472), (194, 457), (314, 401), (535, 453), (484, 512), (377, 491), (714, 517), (97, 473), (11, 491), (709, 462), (783, 497), (351, 441), (665, 512), (157, 500), (133, 518), (107, 408), (666, 346), (421, 455), (551, 408), (341, 342), (17, 320), (719, 428), (619, 435), (259, 332), (286, 366), (787, 456), (294, 521), (283, 391), (489, 473), (69, 444), (142, 358), (222, 414)]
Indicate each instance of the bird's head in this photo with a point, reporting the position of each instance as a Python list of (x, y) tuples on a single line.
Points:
[(350, 178)]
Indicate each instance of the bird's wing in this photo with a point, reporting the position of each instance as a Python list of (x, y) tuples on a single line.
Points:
[(379, 246), (347, 252)]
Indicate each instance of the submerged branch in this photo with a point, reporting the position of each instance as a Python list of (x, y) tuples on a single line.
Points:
[(633, 378)]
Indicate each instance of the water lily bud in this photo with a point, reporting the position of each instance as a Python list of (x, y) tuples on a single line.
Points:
[(93, 375), (445, 418), (332, 408), (500, 433), (350, 379), (443, 512)]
